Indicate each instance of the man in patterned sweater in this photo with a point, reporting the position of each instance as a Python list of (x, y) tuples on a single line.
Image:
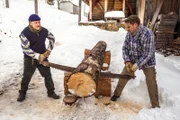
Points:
[(33, 39), (139, 53)]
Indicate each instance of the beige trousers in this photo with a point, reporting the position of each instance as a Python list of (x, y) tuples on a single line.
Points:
[(150, 74)]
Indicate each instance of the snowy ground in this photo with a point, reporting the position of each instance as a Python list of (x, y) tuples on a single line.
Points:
[(71, 41)]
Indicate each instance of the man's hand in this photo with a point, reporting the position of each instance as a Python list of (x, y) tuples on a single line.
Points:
[(47, 53), (129, 66), (134, 67), (41, 58)]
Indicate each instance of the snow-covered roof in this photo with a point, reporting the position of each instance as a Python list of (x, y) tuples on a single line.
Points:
[(115, 14)]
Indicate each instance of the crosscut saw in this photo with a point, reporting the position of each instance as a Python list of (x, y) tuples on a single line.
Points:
[(71, 69)]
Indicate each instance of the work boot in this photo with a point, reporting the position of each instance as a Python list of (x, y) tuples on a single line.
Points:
[(53, 95), (21, 97), (114, 98)]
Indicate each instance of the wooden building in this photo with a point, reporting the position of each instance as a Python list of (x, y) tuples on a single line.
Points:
[(68, 6), (162, 16)]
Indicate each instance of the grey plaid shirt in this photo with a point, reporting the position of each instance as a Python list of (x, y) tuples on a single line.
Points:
[(140, 48)]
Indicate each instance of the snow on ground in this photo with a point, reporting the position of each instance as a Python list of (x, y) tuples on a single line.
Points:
[(71, 41)]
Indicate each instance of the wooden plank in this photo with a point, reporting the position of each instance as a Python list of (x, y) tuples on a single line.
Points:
[(167, 16), (164, 36), (161, 27), (103, 87), (156, 14)]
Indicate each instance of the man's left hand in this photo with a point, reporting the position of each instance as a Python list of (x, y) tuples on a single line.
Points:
[(134, 67), (47, 53), (41, 58)]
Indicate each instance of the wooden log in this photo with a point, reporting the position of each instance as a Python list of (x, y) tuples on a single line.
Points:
[(103, 86), (83, 80), (106, 60)]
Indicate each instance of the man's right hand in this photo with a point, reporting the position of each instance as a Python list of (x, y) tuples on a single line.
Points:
[(129, 66)]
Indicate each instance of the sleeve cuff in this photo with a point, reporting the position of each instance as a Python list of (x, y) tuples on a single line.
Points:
[(37, 56), (126, 62)]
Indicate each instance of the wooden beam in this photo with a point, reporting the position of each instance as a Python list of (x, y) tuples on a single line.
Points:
[(156, 14), (142, 11), (113, 5), (90, 10), (105, 5), (123, 6), (179, 9)]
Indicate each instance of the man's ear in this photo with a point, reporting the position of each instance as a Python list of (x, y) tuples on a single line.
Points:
[(136, 25)]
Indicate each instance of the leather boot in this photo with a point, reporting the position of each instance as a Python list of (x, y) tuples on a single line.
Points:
[(21, 97), (53, 95), (114, 98)]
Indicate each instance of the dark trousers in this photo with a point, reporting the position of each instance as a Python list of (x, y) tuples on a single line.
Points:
[(30, 66)]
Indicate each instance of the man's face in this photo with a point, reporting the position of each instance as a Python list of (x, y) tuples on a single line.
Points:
[(131, 27), (35, 24)]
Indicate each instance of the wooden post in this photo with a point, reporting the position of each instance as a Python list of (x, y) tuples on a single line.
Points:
[(105, 6), (79, 15), (90, 10), (36, 6), (7, 3), (142, 11), (179, 9), (85, 77), (124, 6)]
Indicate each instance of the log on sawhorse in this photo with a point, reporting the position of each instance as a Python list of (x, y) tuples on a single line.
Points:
[(87, 79)]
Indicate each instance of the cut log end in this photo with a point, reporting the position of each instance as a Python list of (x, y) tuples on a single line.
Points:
[(81, 84), (69, 100)]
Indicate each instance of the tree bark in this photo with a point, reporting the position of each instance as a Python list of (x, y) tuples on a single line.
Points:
[(83, 80)]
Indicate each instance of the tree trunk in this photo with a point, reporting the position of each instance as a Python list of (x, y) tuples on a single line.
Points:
[(36, 6), (83, 80), (79, 14), (7, 3), (58, 3)]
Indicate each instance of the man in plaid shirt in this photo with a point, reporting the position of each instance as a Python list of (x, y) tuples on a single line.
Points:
[(139, 53)]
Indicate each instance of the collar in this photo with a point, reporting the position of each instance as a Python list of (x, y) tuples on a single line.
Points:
[(33, 30), (138, 32)]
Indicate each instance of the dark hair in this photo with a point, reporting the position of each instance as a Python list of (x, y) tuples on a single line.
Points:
[(132, 19)]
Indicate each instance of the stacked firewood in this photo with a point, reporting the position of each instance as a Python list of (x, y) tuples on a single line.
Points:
[(164, 31)]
